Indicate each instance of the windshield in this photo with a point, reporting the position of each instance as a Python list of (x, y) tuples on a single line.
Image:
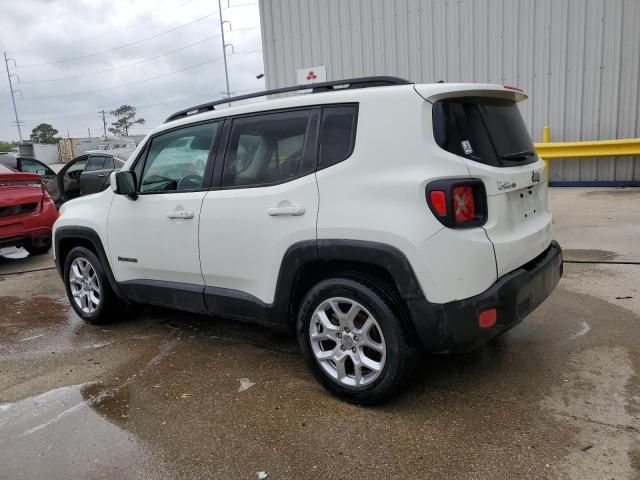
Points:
[(483, 129)]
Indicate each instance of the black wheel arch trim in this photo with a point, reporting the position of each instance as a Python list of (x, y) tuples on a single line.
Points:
[(238, 304), (381, 255), (90, 235), (385, 256)]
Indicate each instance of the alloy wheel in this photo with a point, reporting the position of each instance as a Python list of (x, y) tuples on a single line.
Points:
[(85, 285), (347, 342)]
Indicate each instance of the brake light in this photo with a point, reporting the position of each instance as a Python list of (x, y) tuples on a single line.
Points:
[(45, 192), (458, 203), (439, 202), (511, 87), (464, 205), (21, 183)]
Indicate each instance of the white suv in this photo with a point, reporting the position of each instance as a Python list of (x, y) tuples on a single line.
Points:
[(373, 217)]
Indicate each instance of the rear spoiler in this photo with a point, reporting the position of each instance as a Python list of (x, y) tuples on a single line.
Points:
[(433, 92)]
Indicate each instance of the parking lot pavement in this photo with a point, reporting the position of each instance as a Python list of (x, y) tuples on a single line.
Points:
[(601, 224), (174, 395)]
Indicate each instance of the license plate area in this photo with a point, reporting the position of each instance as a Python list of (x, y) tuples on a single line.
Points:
[(528, 203)]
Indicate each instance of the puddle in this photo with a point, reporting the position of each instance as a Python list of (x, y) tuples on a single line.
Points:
[(570, 254), (42, 324), (619, 192), (59, 431), (13, 253)]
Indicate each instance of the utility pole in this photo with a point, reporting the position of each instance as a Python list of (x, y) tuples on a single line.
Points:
[(13, 99), (224, 49), (104, 122)]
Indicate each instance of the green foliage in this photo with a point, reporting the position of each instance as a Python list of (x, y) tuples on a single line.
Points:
[(5, 146), (126, 117), (44, 133)]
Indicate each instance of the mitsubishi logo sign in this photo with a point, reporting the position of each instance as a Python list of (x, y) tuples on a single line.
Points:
[(309, 75)]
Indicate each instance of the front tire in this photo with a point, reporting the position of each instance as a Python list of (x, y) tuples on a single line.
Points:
[(88, 288), (354, 340)]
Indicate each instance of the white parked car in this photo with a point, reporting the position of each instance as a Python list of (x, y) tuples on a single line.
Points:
[(373, 217)]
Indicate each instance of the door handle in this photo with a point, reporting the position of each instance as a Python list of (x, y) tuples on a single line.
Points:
[(184, 214), (102, 175), (291, 210)]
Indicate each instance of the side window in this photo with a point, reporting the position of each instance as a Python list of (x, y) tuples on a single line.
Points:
[(176, 160), (266, 148), (95, 163), (78, 165), (32, 167), (337, 134)]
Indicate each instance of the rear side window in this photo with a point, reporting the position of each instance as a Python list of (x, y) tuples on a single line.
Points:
[(108, 163), (95, 163), (266, 149), (337, 134), (31, 167), (483, 129)]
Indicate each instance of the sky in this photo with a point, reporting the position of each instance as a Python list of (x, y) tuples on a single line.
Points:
[(73, 58)]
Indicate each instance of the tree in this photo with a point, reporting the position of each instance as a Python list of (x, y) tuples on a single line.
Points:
[(44, 133), (5, 147), (126, 117)]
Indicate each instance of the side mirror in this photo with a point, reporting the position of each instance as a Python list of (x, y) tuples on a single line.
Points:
[(125, 184)]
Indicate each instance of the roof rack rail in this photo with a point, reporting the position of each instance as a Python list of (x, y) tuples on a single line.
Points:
[(349, 83)]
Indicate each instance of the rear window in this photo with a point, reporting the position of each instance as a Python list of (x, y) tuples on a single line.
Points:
[(337, 134), (485, 130)]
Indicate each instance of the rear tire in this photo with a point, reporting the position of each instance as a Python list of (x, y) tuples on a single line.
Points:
[(355, 341), (89, 290)]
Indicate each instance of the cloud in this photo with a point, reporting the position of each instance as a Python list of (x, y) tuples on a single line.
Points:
[(160, 56)]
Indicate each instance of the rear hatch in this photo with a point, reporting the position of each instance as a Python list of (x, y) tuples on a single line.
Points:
[(485, 128)]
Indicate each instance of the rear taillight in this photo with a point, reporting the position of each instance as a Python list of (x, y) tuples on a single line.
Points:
[(464, 205), (438, 199), (45, 192), (458, 203), (21, 183)]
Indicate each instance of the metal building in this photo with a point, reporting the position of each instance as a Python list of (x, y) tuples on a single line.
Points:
[(579, 60)]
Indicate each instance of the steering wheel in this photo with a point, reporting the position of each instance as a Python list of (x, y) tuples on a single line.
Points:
[(189, 182), (74, 174)]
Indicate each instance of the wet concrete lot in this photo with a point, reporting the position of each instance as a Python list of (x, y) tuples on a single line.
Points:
[(173, 395)]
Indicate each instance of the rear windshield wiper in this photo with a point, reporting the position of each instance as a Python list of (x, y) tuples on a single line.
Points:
[(518, 155)]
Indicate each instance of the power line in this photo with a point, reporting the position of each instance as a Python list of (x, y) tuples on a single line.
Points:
[(123, 66), (146, 106), (138, 23), (125, 27), (124, 84), (95, 54)]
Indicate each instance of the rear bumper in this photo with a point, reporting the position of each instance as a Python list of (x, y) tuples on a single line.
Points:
[(30, 229), (453, 326)]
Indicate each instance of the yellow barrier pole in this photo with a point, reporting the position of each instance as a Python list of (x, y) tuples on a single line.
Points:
[(546, 138)]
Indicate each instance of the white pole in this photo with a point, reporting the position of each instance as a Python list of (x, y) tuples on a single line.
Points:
[(13, 99), (224, 50)]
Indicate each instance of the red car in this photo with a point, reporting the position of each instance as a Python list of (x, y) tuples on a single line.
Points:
[(27, 212)]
